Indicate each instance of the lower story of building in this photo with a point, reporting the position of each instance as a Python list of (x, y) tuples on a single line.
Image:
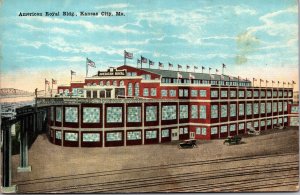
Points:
[(105, 137)]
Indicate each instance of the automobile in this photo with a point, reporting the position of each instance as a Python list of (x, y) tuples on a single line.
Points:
[(252, 131), (232, 140), (190, 143)]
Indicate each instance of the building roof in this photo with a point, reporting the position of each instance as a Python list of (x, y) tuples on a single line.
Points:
[(200, 76)]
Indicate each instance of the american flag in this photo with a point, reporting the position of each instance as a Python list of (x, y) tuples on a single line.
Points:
[(293, 82), (47, 82), (54, 81), (261, 80), (187, 67), (90, 63), (195, 67), (224, 66), (170, 65), (160, 64), (203, 67), (144, 60), (254, 79), (128, 55), (217, 70), (73, 72), (179, 66), (273, 81), (151, 63)]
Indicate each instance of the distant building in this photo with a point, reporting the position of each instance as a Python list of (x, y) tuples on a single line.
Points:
[(133, 106)]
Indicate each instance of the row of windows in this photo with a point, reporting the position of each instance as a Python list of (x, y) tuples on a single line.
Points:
[(255, 93), (146, 92), (107, 83), (136, 89), (241, 126), (198, 81), (169, 112)]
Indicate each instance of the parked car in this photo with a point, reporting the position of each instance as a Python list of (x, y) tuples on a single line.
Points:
[(252, 131), (232, 140), (190, 143)]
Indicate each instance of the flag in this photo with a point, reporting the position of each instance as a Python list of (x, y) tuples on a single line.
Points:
[(191, 76), (267, 81), (209, 69), (170, 65), (151, 63), (224, 66), (217, 70), (73, 72), (179, 75), (278, 82), (254, 79), (160, 64), (47, 82), (284, 83), (128, 54), (261, 80), (54, 81), (195, 67), (179, 66), (293, 82), (273, 81), (187, 67), (90, 63), (203, 67), (144, 60)]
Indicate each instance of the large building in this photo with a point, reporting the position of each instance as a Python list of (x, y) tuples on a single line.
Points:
[(133, 106)]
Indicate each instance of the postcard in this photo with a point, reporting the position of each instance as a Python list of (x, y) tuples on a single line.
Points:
[(129, 96)]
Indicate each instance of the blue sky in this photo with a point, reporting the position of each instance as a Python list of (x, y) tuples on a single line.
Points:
[(253, 38)]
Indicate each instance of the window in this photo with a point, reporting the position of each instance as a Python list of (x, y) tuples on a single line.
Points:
[(129, 89), (71, 136), (57, 134), (280, 93), (169, 112), (269, 94), (116, 136), (151, 113), (186, 93), (224, 129), (232, 127), (232, 94), (203, 111), (274, 106), (262, 123), (151, 134), (58, 114), (255, 93), (121, 83), (214, 111), (255, 124), (91, 115), (262, 108), (269, 108), (90, 137), (194, 93), (164, 93), (285, 119), (214, 130), (255, 108), (294, 109), (198, 131), (284, 106), (136, 89), (241, 94), (232, 109), (115, 83), (134, 135), (274, 93), (241, 126), (107, 83), (101, 83), (241, 110), (202, 93), (214, 93), (183, 112), (172, 93), (145, 92), (224, 93), (194, 111), (114, 115), (203, 130), (262, 93), (223, 110), (165, 133), (153, 91), (249, 109), (269, 122), (71, 115), (249, 94), (133, 114), (284, 93), (274, 121), (280, 120), (180, 92)]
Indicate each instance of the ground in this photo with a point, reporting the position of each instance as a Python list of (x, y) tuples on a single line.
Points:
[(268, 162)]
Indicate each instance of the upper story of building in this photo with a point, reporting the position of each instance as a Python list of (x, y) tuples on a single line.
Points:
[(130, 82)]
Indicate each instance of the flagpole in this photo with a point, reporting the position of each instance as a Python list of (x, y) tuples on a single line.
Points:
[(52, 88), (124, 57), (86, 69), (137, 63), (71, 75), (141, 63), (45, 87)]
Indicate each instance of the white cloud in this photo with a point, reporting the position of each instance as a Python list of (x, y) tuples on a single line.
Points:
[(239, 10), (54, 30)]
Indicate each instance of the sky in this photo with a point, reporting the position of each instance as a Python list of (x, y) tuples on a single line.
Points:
[(254, 39)]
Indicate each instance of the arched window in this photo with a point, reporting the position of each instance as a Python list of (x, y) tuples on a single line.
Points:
[(94, 84), (129, 93), (115, 83), (136, 89), (121, 83), (107, 83), (101, 83)]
